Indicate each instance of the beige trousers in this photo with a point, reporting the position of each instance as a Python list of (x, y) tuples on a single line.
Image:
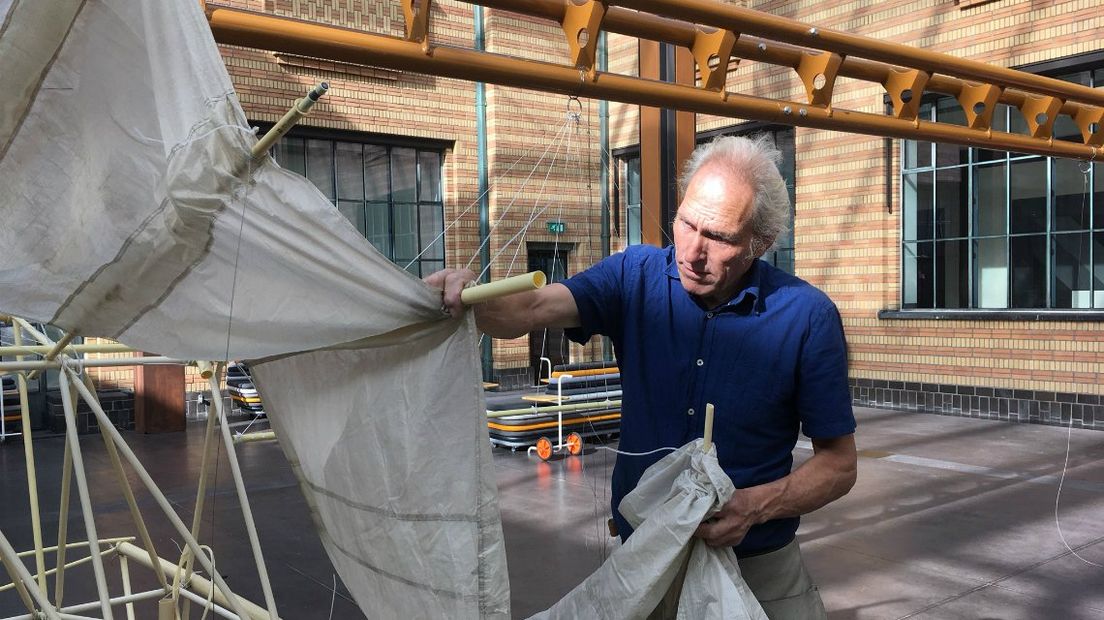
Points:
[(782, 585)]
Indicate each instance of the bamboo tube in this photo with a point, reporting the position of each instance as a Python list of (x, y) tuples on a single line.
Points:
[(507, 286), (58, 348), (84, 560), (37, 349), (300, 109), (28, 458), (27, 587), (82, 488), (707, 445), (38, 365), (258, 436), (63, 522)]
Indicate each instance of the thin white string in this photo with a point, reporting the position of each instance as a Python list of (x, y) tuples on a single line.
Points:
[(622, 452), (1058, 497)]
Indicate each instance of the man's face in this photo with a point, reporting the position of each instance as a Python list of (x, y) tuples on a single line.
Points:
[(713, 236)]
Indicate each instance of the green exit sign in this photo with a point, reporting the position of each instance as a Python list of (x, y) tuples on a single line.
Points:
[(557, 228)]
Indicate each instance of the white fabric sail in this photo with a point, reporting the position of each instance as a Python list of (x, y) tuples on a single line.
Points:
[(130, 209)]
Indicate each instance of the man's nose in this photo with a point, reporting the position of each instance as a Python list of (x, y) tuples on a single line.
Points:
[(696, 247)]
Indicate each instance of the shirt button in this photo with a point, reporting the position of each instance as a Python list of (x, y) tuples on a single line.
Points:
[(708, 315), (690, 411), (701, 362)]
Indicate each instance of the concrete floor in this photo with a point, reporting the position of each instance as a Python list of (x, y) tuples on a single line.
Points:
[(951, 518)]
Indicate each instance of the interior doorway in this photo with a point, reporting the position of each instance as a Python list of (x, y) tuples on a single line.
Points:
[(551, 258)]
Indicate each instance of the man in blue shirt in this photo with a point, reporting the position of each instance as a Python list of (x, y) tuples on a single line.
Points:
[(706, 321)]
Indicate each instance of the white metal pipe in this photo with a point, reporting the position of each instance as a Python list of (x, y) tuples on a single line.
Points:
[(602, 404), (38, 349), (28, 458), (82, 491), (96, 363), (239, 485), (29, 589), (198, 583), (124, 485), (158, 496)]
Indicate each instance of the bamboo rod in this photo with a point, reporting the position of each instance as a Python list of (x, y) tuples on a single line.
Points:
[(158, 496), (236, 27), (63, 521), (78, 562), (198, 583), (501, 288), (124, 574), (218, 609), (108, 362), (53, 353), (82, 544), (298, 110), (243, 499), (37, 335), (72, 348), (68, 612), (124, 485), (258, 436), (28, 589), (605, 404), (28, 458), (82, 489)]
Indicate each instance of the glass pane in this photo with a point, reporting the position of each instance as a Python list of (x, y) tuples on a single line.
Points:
[(378, 226), (353, 210), (1066, 129), (916, 154), (429, 176), (1098, 269), (952, 207), (1029, 259), (406, 232), (404, 175), (290, 153), (952, 267), (350, 171), (1016, 122), (947, 110), (1071, 271), (992, 270), (991, 194), (1098, 196), (432, 223), (1071, 202), (632, 225), (632, 181), (320, 166), (431, 266), (1028, 196), (919, 215), (918, 266), (1000, 123), (376, 171)]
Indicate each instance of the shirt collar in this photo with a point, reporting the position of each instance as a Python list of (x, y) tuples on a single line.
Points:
[(750, 291)]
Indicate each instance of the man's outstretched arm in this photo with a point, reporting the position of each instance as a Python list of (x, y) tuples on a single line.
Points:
[(511, 316)]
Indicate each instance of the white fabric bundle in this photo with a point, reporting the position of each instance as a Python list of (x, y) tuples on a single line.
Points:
[(662, 571)]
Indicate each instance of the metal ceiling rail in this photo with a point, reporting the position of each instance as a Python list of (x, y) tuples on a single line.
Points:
[(713, 49)]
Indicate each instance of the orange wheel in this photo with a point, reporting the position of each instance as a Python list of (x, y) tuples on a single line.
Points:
[(574, 443), (544, 448)]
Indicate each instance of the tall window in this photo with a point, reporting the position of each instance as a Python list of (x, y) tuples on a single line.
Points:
[(392, 194), (989, 229), (631, 183)]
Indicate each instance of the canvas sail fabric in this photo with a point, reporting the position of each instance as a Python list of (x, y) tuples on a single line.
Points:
[(130, 209), (662, 571)]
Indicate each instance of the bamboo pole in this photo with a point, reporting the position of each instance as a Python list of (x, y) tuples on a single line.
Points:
[(84, 560), (109, 362), (20, 349), (53, 353), (501, 288), (124, 574), (69, 613), (258, 436), (63, 521), (243, 499), (82, 489), (707, 443), (28, 458), (300, 109), (158, 496)]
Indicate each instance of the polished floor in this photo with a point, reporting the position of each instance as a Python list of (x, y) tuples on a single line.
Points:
[(952, 518)]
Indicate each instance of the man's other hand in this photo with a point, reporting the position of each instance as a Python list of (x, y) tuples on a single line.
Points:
[(731, 523), (451, 282)]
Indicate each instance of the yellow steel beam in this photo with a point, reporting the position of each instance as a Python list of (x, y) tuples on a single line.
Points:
[(237, 27)]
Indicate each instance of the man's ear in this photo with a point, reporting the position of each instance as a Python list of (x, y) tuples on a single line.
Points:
[(764, 247)]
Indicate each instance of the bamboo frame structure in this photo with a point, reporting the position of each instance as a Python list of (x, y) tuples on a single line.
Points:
[(818, 56)]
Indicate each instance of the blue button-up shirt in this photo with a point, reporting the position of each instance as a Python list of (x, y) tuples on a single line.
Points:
[(772, 360)]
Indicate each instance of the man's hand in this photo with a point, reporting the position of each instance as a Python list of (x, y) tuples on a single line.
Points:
[(451, 282), (729, 526)]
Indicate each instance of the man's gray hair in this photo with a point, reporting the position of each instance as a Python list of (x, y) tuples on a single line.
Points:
[(755, 161)]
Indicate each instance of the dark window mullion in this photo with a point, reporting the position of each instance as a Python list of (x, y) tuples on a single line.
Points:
[(390, 207)]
